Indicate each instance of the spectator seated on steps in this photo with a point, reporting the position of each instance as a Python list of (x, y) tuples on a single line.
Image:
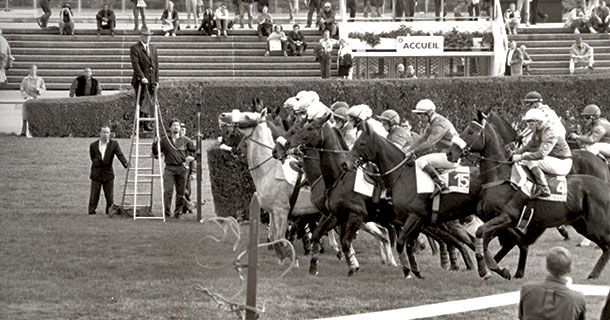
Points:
[(578, 22), (66, 20), (106, 19), (85, 85), (512, 17), (527, 60), (222, 17), (581, 54), (327, 20), (207, 22), (276, 42), (170, 22), (265, 23), (296, 41), (600, 18)]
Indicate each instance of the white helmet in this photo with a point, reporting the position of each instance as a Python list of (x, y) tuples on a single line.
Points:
[(291, 102), (361, 111), (317, 110), (534, 115), (424, 106)]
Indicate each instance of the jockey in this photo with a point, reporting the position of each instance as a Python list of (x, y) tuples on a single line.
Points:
[(598, 139), (533, 99), (547, 151), (317, 110), (360, 114), (396, 134), (438, 135), (348, 132), (289, 107)]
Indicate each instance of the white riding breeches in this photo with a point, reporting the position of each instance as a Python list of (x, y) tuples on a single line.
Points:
[(551, 165), (436, 160), (600, 147)]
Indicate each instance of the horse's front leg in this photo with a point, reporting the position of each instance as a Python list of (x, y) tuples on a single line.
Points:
[(484, 235), (353, 224), (407, 236), (326, 224)]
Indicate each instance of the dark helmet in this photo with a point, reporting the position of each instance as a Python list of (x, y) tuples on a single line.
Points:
[(532, 96)]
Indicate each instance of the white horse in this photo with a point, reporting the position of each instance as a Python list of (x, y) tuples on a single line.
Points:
[(272, 193)]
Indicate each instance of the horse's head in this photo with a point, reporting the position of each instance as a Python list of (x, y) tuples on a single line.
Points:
[(471, 139), (310, 134), (363, 146), (244, 122)]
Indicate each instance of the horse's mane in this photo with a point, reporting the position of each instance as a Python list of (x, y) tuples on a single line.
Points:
[(276, 130), (342, 142), (504, 127), (383, 139)]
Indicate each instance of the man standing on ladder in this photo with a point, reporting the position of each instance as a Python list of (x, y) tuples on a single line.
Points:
[(145, 65), (178, 153)]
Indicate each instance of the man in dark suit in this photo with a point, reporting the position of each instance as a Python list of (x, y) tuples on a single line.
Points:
[(145, 65), (102, 154), (514, 60)]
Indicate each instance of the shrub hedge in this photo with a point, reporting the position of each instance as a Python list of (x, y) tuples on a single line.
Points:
[(456, 98), (231, 183)]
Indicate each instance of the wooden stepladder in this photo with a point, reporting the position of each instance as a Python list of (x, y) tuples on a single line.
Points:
[(138, 189)]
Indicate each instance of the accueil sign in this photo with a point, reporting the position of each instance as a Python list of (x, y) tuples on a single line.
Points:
[(420, 45)]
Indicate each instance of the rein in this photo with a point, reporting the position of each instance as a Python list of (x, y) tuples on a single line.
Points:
[(249, 138)]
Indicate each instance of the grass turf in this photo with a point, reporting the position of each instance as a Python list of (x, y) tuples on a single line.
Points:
[(60, 263)]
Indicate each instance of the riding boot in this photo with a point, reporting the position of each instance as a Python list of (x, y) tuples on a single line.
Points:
[(543, 187), (440, 184)]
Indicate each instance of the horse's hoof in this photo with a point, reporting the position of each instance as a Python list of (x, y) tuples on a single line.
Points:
[(487, 276), (505, 273), (418, 275), (406, 271), (339, 255), (455, 268), (322, 250), (593, 276), (518, 275), (352, 272)]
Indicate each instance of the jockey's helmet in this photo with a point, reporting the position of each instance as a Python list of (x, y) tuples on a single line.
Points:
[(390, 116), (361, 111), (591, 110), (291, 102), (339, 104), (532, 96), (534, 115), (340, 113), (317, 110), (424, 106)]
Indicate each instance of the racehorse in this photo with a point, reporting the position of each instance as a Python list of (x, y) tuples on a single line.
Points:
[(347, 209), (587, 207), (273, 195), (319, 136)]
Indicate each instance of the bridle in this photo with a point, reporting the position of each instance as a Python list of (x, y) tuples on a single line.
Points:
[(249, 138)]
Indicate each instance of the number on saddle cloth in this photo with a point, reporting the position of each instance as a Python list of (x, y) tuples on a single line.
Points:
[(523, 179), (457, 180)]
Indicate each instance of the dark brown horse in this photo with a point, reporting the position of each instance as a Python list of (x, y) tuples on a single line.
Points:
[(399, 177), (587, 207)]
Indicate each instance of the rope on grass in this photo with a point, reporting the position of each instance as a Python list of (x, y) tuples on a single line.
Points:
[(228, 304)]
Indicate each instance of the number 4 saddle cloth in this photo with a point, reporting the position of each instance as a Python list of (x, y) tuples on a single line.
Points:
[(458, 180), (521, 178)]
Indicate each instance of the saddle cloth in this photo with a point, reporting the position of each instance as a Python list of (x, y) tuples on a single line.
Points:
[(363, 184), (283, 171), (523, 180), (458, 180)]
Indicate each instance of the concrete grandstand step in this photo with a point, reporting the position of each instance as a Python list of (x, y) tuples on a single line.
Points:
[(560, 36), (542, 29), (134, 33), (31, 38), (309, 57), (160, 45), (563, 51), (554, 57), (78, 67), (566, 63), (561, 43), (554, 71), (125, 52)]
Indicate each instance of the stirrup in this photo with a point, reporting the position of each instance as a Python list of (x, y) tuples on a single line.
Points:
[(542, 191)]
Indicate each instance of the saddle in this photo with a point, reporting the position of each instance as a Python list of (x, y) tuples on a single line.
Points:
[(458, 180), (522, 179)]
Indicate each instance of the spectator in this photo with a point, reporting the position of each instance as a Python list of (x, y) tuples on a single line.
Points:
[(314, 6), (400, 71), (102, 153), (351, 6), (222, 19), (473, 8), (459, 10), (191, 8), (32, 87), (6, 59), (401, 10), (66, 20), (265, 23), (537, 14), (367, 9), (512, 17), (526, 60), (437, 9), (324, 53), (345, 61), (576, 20), (245, 6), (378, 4), (296, 41), (85, 85), (145, 63), (291, 11), (581, 53), (106, 19), (170, 22), (410, 73), (190, 176), (261, 4), (552, 299), (43, 20), (600, 18), (207, 22), (276, 41), (514, 60), (524, 6), (327, 20), (139, 6), (178, 153)]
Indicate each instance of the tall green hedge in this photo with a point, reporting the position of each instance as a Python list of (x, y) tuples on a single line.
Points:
[(456, 98)]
